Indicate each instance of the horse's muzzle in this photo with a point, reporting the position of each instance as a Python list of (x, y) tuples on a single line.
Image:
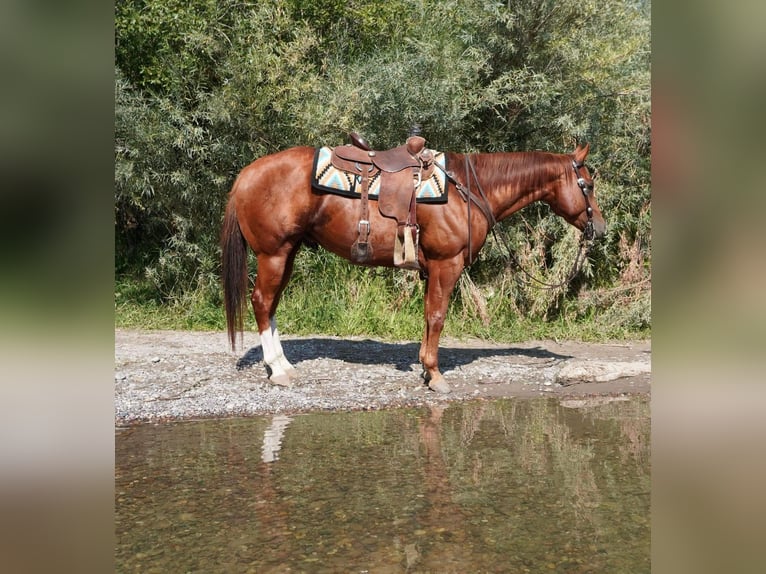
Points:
[(595, 228)]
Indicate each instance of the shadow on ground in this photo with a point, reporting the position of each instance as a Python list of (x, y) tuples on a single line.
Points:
[(401, 355)]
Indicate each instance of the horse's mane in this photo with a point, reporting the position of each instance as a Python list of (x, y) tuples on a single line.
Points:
[(527, 169)]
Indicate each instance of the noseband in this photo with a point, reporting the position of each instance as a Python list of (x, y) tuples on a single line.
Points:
[(586, 191)]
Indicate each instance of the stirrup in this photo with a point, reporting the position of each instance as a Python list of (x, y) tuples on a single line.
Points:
[(406, 253)]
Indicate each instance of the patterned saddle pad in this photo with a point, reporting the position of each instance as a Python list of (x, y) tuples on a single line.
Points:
[(325, 177)]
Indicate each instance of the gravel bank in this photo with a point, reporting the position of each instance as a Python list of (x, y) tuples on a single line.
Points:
[(174, 375)]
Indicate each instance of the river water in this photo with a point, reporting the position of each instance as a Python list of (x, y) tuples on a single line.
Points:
[(517, 485)]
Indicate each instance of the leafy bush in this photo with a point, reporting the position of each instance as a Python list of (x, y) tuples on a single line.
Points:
[(203, 88)]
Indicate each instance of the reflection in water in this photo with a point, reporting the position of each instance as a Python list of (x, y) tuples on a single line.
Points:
[(272, 438), (504, 486)]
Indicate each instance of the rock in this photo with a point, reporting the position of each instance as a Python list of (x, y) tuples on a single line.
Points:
[(591, 402), (578, 371)]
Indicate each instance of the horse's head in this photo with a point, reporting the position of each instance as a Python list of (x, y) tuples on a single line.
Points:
[(575, 199)]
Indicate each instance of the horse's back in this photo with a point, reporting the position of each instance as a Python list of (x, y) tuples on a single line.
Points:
[(288, 164), (272, 195)]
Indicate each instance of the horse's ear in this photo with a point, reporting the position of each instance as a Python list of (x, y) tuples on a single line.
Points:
[(581, 152)]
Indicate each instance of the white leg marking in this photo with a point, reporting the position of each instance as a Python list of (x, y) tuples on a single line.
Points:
[(271, 358), (284, 363)]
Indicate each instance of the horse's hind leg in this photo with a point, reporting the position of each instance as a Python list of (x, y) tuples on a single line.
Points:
[(291, 371), (273, 274)]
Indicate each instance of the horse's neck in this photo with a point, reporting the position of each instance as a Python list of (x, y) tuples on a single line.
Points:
[(513, 180)]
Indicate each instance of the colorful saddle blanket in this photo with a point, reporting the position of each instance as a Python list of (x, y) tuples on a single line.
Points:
[(327, 178)]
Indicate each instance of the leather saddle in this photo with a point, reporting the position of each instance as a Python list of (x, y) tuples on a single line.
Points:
[(401, 170), (412, 154)]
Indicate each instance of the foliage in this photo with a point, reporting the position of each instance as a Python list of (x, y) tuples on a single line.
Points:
[(204, 87)]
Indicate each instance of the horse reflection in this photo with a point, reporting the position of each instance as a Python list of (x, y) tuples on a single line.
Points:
[(272, 437)]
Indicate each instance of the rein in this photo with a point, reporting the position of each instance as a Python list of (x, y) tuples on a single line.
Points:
[(483, 204), (582, 253)]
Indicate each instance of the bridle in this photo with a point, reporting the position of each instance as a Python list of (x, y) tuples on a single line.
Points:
[(587, 189)]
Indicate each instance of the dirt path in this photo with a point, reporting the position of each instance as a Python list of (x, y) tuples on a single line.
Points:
[(173, 375)]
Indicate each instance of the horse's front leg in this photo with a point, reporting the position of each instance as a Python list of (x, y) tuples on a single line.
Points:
[(442, 277)]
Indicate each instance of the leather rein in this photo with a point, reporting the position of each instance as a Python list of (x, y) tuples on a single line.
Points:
[(482, 203)]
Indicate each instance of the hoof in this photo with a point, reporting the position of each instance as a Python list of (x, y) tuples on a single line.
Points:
[(439, 385), (287, 367), (281, 380)]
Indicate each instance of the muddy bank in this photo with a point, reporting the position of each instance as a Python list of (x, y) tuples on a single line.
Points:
[(173, 375)]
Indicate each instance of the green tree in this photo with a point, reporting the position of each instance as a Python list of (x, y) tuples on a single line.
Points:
[(204, 87)]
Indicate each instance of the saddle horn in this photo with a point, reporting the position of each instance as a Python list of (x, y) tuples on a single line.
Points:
[(359, 141)]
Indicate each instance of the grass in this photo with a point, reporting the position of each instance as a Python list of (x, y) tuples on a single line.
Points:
[(345, 300)]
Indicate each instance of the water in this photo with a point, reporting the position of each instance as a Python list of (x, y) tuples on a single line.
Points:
[(501, 486)]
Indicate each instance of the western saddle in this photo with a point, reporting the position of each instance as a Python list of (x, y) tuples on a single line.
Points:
[(401, 171)]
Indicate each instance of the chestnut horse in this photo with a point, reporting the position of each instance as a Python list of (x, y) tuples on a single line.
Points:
[(273, 208)]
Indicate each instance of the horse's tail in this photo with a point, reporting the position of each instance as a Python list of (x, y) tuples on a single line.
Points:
[(234, 273)]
